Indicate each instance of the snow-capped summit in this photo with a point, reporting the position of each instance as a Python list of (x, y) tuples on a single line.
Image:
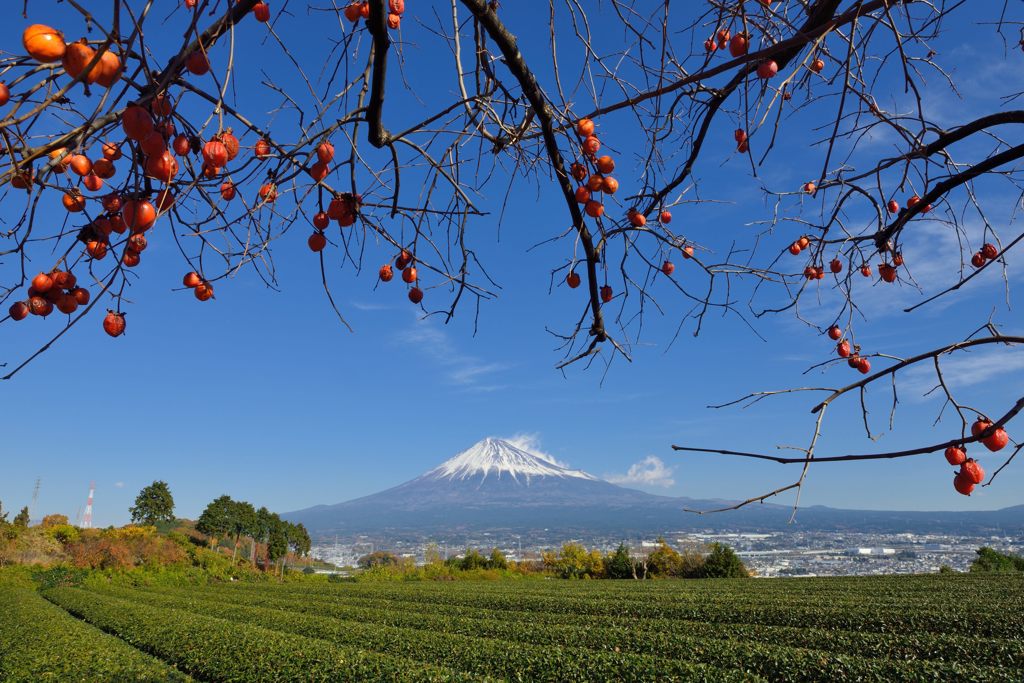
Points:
[(500, 459)]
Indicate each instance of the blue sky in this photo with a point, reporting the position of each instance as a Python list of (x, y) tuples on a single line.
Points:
[(264, 396)]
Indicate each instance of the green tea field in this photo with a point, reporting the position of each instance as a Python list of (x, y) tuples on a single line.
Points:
[(964, 627)]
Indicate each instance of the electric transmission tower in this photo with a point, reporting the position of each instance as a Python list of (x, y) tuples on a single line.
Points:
[(87, 516), (35, 496)]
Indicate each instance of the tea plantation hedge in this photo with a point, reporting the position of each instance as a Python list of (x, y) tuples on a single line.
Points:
[(41, 642), (918, 628)]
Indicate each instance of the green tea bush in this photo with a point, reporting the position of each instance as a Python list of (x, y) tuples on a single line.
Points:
[(41, 642)]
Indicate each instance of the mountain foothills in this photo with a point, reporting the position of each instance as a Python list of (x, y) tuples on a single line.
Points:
[(498, 486)]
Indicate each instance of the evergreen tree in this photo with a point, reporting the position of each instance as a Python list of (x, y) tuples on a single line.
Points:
[(723, 563), (619, 565), (497, 560), (243, 522), (153, 504), (277, 539), (216, 520), (298, 539), (472, 560), (990, 560), (22, 518), (264, 521)]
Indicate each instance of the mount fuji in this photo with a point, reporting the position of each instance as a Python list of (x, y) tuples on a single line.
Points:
[(496, 486)]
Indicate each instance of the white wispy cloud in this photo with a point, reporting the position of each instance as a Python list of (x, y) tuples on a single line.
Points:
[(651, 471), (531, 443), (932, 249), (118, 484), (460, 369), (966, 368), (363, 306), (471, 371), (982, 72)]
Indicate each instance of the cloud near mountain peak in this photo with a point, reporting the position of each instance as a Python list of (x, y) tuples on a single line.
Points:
[(651, 471)]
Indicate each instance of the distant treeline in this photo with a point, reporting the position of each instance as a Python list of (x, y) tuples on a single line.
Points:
[(571, 561), (265, 530), (157, 539)]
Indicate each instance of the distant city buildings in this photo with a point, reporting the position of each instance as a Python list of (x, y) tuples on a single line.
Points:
[(773, 554)]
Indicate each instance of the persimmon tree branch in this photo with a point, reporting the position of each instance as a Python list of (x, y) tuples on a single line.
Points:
[(811, 456), (635, 112), (516, 64)]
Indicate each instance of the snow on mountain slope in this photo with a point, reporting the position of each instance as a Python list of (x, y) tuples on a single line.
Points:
[(497, 458)]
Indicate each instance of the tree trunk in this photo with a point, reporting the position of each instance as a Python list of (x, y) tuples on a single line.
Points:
[(234, 553)]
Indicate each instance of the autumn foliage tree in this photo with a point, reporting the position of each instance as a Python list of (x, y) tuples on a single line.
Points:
[(114, 141)]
